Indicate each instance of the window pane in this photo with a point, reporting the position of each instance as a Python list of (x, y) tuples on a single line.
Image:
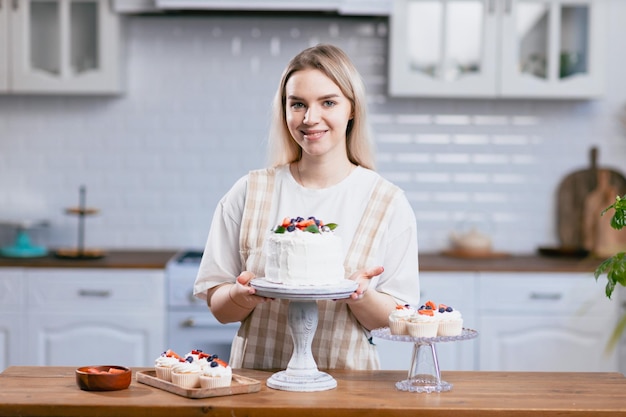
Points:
[(45, 42), (464, 23), (424, 21), (532, 36), (84, 36), (574, 41)]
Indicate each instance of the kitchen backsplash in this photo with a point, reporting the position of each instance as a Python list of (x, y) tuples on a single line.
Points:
[(194, 118)]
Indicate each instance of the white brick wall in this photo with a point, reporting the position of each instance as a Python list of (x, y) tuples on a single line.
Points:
[(194, 118)]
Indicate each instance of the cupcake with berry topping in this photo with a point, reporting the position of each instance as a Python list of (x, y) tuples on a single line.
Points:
[(424, 323), (186, 373), (450, 321), (195, 354), (399, 317), (217, 374), (163, 364)]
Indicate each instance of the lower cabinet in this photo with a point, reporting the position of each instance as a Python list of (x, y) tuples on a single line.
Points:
[(545, 322), (621, 348), (11, 317), (76, 317), (558, 322)]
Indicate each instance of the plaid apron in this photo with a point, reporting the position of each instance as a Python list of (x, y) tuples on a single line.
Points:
[(264, 340)]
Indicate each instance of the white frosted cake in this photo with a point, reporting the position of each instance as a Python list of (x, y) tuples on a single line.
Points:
[(304, 253)]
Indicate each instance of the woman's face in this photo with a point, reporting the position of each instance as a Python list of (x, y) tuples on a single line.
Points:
[(317, 113)]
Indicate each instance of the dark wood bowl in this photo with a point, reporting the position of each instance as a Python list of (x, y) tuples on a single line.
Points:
[(103, 378)]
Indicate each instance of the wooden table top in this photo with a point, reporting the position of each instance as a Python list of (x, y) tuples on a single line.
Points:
[(52, 391)]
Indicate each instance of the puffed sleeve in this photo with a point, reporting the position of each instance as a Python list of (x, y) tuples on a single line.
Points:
[(400, 255), (221, 261)]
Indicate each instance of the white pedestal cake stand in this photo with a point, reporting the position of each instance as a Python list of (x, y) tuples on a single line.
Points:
[(424, 374), (302, 373)]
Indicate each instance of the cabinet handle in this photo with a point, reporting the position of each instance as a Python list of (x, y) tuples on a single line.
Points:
[(491, 6), (192, 322), (94, 293), (16, 4), (545, 296), (508, 5)]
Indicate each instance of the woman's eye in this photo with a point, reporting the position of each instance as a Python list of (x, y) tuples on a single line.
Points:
[(329, 103), (296, 105)]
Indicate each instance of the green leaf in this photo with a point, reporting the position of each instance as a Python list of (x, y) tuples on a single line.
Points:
[(280, 229), (602, 268), (312, 228), (618, 221), (331, 226)]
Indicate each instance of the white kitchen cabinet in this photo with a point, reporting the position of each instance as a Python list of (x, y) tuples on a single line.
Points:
[(557, 322), (11, 317), (346, 7), (621, 348), (59, 47), (497, 48), (95, 316), (4, 47), (454, 289)]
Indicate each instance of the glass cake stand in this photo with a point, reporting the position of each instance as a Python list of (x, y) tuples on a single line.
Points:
[(424, 374), (302, 373)]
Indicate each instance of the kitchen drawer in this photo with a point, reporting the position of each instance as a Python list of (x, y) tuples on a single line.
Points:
[(456, 289), (92, 290), (542, 293)]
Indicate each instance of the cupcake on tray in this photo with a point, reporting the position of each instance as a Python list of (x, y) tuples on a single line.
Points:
[(450, 321), (217, 374), (424, 323), (163, 364), (399, 317), (186, 373)]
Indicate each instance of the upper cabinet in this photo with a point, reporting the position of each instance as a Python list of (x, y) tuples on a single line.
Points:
[(497, 48), (59, 47), (346, 7)]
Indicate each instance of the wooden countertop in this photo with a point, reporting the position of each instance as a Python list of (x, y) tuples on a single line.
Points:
[(148, 259), (428, 262), (52, 391), (517, 263)]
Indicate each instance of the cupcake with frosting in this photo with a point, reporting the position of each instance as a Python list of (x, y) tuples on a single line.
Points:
[(217, 374), (195, 354), (186, 373), (424, 323), (164, 363), (450, 321), (399, 317)]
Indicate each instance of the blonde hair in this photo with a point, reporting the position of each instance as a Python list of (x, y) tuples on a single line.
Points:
[(337, 66)]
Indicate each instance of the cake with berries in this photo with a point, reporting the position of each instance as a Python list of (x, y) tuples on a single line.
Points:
[(163, 364), (186, 373), (304, 252), (424, 323), (450, 321), (216, 374), (399, 317), (196, 369)]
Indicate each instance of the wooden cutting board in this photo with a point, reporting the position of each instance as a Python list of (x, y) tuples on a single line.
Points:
[(571, 196)]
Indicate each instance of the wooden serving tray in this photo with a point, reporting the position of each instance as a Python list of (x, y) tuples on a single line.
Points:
[(240, 385)]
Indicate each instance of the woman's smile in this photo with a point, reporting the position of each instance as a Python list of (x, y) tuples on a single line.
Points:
[(313, 134)]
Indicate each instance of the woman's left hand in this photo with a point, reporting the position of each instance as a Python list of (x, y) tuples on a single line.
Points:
[(363, 278)]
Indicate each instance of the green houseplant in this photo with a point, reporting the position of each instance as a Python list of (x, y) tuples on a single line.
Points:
[(615, 266)]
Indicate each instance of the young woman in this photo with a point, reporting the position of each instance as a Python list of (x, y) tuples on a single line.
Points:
[(321, 165)]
